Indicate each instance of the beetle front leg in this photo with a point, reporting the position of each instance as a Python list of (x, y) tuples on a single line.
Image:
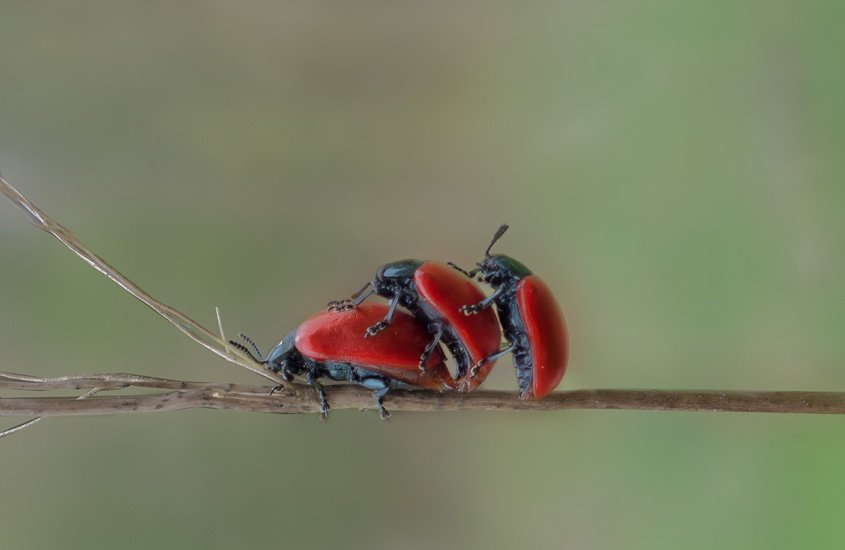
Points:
[(354, 301), (287, 375), (438, 334), (471, 274), (311, 380), (472, 309), (384, 323)]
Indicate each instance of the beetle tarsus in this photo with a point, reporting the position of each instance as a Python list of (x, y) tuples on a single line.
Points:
[(340, 305), (324, 412), (376, 328), (473, 371), (468, 310)]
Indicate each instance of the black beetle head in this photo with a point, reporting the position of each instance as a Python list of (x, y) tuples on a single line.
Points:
[(403, 269), (495, 269), (498, 268), (282, 357)]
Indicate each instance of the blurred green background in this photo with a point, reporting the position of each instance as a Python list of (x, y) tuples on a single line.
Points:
[(673, 170)]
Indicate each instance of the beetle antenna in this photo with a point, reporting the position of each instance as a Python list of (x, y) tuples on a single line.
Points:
[(496, 237), (246, 350), (243, 348), (252, 350), (252, 345)]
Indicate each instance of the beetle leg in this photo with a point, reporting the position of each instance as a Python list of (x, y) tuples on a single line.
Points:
[(361, 297), (430, 347), (378, 395), (384, 323), (492, 357), (354, 301), (378, 384), (472, 309), (311, 380), (471, 273), (286, 375)]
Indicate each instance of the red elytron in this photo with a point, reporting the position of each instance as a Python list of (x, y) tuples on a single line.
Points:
[(547, 335), (338, 338)]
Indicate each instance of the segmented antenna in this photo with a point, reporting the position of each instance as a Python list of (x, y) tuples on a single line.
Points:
[(251, 343), (252, 350), (496, 237)]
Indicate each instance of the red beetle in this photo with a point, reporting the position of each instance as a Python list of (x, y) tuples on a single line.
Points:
[(433, 293), (331, 345), (531, 320)]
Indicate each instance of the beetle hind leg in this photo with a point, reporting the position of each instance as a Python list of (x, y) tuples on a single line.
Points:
[(492, 357), (378, 396), (378, 384), (438, 333)]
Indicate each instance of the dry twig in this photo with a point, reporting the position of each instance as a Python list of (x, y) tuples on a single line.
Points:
[(298, 399)]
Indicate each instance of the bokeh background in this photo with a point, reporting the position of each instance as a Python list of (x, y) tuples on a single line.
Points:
[(673, 170)]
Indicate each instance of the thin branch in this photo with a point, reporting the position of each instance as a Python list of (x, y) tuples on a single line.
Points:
[(185, 324), (37, 419), (302, 400), (109, 381)]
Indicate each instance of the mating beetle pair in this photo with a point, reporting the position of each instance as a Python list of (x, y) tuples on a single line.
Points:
[(382, 348)]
